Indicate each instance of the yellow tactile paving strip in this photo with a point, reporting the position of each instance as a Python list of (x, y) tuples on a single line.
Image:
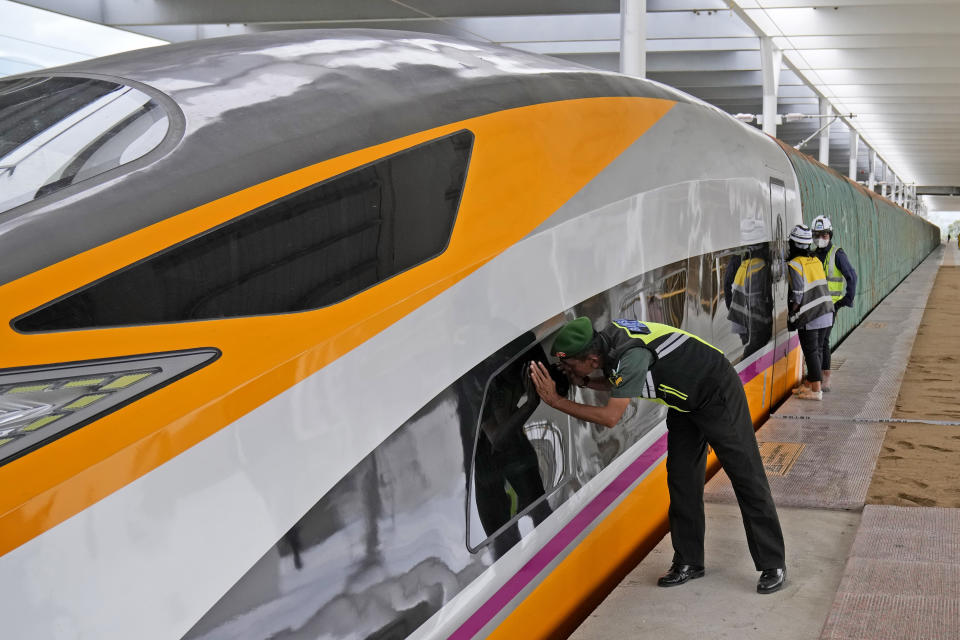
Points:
[(779, 457)]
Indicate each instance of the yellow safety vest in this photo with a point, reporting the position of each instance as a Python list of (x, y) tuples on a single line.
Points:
[(816, 300), (835, 280), (680, 361)]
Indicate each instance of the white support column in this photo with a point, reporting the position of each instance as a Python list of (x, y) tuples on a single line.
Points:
[(872, 177), (854, 147), (770, 61), (825, 110), (633, 37)]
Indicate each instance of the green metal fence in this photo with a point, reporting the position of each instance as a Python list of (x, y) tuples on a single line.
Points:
[(883, 241)]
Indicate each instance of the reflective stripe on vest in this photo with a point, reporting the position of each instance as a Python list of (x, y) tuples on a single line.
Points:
[(649, 391), (663, 340), (658, 331), (816, 300), (835, 280)]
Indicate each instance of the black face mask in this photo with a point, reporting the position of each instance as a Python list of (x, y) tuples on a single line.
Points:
[(797, 251)]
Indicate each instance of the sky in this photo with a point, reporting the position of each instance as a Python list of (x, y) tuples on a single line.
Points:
[(943, 218), (32, 38)]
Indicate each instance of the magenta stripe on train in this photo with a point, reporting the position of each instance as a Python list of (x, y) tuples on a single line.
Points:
[(568, 534), (764, 362)]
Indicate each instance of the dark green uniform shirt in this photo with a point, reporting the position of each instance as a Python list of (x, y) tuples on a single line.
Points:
[(630, 373)]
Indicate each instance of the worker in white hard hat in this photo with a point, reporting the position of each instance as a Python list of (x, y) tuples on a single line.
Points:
[(841, 280)]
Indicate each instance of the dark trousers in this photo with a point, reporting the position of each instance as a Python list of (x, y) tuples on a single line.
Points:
[(724, 423), (811, 341), (825, 348)]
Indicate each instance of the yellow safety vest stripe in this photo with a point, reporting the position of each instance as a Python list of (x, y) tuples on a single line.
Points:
[(815, 291), (658, 330), (835, 280)]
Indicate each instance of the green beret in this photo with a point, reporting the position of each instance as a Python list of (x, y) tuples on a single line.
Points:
[(575, 336)]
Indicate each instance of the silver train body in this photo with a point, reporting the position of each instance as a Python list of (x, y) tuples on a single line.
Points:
[(326, 471)]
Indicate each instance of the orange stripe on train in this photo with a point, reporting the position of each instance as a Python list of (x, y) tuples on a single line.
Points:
[(525, 164)]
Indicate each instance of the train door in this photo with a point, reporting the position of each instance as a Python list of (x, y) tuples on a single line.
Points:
[(776, 385)]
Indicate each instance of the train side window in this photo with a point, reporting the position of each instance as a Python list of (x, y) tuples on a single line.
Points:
[(661, 298), (307, 250), (519, 457), (59, 131), (728, 335), (748, 296)]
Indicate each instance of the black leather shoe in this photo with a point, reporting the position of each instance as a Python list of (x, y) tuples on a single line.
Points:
[(771, 580), (680, 573)]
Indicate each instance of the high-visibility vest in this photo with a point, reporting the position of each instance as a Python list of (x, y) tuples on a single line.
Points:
[(750, 285), (835, 280), (681, 361), (816, 300)]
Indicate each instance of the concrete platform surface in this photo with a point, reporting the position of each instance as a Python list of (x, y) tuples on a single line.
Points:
[(832, 471), (724, 604)]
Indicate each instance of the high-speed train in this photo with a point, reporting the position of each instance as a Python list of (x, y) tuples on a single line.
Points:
[(267, 302)]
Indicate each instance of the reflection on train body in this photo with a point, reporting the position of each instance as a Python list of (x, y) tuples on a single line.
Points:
[(375, 251)]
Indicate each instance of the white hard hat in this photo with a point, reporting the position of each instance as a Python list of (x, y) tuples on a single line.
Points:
[(801, 236), (822, 223)]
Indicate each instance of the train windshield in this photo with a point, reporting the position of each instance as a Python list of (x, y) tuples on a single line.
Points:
[(56, 132)]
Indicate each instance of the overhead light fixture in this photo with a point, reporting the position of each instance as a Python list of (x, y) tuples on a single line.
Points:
[(833, 118), (758, 118), (790, 117)]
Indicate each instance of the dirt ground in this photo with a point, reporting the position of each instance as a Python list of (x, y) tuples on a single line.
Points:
[(919, 464)]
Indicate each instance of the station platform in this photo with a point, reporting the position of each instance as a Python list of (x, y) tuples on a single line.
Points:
[(867, 486)]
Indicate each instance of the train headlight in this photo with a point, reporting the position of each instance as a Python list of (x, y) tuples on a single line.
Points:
[(41, 404)]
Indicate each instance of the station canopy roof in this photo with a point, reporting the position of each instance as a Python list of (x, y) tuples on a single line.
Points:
[(890, 63)]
